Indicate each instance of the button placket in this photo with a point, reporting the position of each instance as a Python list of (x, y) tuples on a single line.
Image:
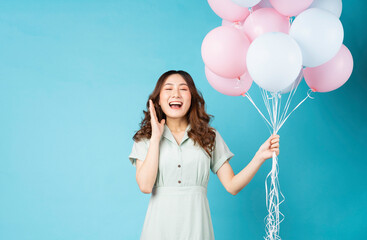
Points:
[(179, 165)]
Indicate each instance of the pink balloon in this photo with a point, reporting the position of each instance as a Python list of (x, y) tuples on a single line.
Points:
[(265, 20), (230, 87), (332, 74), (290, 7), (228, 10), (224, 51)]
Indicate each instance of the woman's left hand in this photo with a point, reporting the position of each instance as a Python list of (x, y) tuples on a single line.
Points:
[(268, 147)]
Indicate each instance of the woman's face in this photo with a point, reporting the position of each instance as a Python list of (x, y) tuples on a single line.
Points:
[(175, 97)]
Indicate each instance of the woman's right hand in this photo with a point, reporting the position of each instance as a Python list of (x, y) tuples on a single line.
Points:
[(157, 128)]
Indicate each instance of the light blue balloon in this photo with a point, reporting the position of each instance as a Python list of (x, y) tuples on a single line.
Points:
[(294, 84), (265, 4), (274, 60), (333, 6), (320, 35), (246, 3)]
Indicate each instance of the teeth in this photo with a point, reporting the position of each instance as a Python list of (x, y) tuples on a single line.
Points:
[(175, 103)]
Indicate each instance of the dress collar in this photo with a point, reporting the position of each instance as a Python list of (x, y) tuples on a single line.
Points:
[(168, 134)]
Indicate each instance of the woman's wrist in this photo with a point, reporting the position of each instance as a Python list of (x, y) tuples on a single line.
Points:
[(258, 158), (155, 138)]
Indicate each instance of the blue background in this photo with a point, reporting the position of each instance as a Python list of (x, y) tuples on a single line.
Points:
[(74, 79)]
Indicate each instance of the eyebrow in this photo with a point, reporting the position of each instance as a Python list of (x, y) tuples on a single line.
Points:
[(173, 84)]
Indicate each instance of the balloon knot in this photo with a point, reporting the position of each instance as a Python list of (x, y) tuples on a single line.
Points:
[(309, 92)]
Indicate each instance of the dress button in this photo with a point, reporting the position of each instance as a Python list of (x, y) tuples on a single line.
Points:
[(179, 165), (179, 181)]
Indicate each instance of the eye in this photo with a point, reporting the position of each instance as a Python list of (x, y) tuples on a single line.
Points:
[(184, 89), (168, 89)]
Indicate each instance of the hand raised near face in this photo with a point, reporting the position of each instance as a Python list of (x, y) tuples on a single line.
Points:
[(157, 127)]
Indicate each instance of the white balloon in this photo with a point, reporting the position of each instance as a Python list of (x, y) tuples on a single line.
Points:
[(294, 84), (333, 6), (274, 60), (319, 34), (246, 3), (264, 4)]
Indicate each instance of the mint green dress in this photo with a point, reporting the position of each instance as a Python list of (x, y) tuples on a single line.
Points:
[(178, 207)]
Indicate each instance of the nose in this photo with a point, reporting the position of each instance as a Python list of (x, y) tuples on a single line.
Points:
[(176, 93)]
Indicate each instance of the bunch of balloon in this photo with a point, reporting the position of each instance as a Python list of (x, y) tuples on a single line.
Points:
[(276, 44)]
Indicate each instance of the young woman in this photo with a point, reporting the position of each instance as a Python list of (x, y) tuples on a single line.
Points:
[(174, 151)]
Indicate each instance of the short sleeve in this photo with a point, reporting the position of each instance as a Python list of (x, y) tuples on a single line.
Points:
[(220, 154), (139, 151)]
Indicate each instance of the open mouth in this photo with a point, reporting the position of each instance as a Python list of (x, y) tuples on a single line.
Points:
[(175, 105)]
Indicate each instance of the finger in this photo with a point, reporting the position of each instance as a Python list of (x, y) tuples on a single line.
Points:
[(155, 114), (163, 121), (150, 107), (275, 145), (274, 140), (274, 150), (153, 107), (151, 110), (274, 136)]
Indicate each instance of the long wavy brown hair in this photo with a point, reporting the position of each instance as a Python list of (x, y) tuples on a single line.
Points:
[(201, 132)]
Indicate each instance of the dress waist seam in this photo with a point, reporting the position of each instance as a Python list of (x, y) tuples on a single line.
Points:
[(178, 190)]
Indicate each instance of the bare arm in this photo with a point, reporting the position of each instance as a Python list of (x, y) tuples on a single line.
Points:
[(235, 183), (146, 172)]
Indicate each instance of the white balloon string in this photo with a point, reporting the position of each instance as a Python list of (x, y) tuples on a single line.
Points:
[(275, 107), (266, 102), (279, 103), (287, 102), (253, 103), (277, 118), (273, 219), (272, 192), (271, 108), (290, 96), (308, 96), (274, 196)]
